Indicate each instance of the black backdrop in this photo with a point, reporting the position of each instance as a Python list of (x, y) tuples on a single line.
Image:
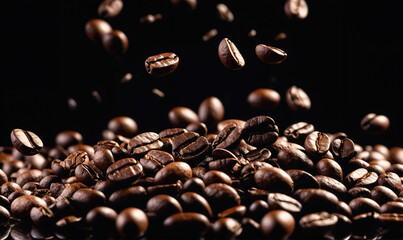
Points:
[(346, 55)]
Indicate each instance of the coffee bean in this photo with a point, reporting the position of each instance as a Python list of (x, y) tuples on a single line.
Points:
[(229, 55), (96, 29), (173, 172), (356, 192), (86, 199), (363, 205), (134, 196), (155, 160), (169, 134), (71, 227), (317, 224), (184, 5), (18, 193), (123, 125), (224, 12), (226, 228), (186, 225), (264, 99), (315, 200), (172, 189), (162, 64), (26, 142), (71, 189), (375, 124), (42, 215), (190, 147), (342, 148), (277, 224), (392, 222), (211, 111), (361, 178), (248, 172), (81, 147), (101, 219), (210, 34), (214, 176), (332, 185), (197, 127), (76, 158), (252, 33), (221, 125), (258, 209), (4, 215), (284, 202), (110, 8), (294, 158), (330, 168), (297, 99), (21, 206), (33, 175), (392, 207), (4, 202), (131, 223), (396, 168), (317, 144), (115, 42), (269, 54), (221, 197), (382, 194), (396, 155), (144, 142), (228, 138), (392, 181), (274, 180), (127, 169), (194, 185), (260, 131), (103, 158), (296, 9), (162, 206), (193, 202), (365, 223), (12, 166), (302, 179), (180, 117)]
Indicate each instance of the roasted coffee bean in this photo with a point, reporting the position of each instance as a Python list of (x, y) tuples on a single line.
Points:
[(343, 227), (189, 147), (184, 5), (382, 194), (392, 181), (197, 127), (317, 144), (210, 34), (71, 227), (260, 131), (71, 189), (365, 223), (363, 205), (342, 148), (274, 180), (332, 185), (355, 164), (3, 177), (264, 99), (229, 55), (144, 142), (250, 229), (103, 158), (384, 165), (302, 179), (162, 206), (18, 193), (123, 125), (49, 200), (297, 132), (4, 202), (356, 192), (224, 13), (211, 111), (110, 8), (180, 117), (162, 64), (317, 224), (392, 207), (193, 202), (4, 215), (134, 196), (269, 54), (199, 172), (33, 175), (42, 216), (96, 29), (115, 42), (375, 124), (21, 206), (294, 158), (221, 197), (316, 200), (172, 189), (396, 168), (361, 178), (228, 138), (86, 174), (237, 212), (330, 168), (127, 169), (396, 155), (258, 209), (296, 9), (105, 144), (101, 219), (194, 185), (169, 134), (393, 222), (248, 172), (81, 147), (227, 165), (226, 228), (214, 176), (343, 208), (86, 199), (26, 142), (297, 99), (131, 223), (8, 188), (155, 160), (173, 172), (59, 168), (186, 225), (283, 202), (221, 125), (277, 224), (75, 159)]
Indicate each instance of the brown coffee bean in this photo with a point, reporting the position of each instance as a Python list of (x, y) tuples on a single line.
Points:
[(33, 175), (211, 111), (221, 197), (240, 123), (229, 55), (228, 138), (26, 142), (277, 224), (115, 43), (162, 64), (361, 178), (315, 200), (110, 8), (123, 125), (224, 13), (186, 225), (76, 158), (127, 169), (22, 206), (131, 223), (317, 225), (297, 99), (382, 194), (274, 180), (264, 99), (283, 202), (375, 124), (296, 9), (330, 168), (214, 176), (226, 228), (294, 158), (180, 117), (162, 206), (302, 179), (173, 172), (260, 131), (392, 207), (269, 54), (363, 205), (133, 196), (190, 147), (197, 127), (155, 160), (144, 142), (96, 29)]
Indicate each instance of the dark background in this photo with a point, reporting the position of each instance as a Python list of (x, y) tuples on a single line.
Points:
[(346, 55)]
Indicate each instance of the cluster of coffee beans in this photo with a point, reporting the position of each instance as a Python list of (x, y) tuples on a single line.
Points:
[(204, 178)]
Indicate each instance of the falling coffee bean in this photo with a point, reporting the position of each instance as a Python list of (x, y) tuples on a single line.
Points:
[(297, 99), (229, 55), (162, 64), (296, 9), (269, 54), (115, 43), (375, 124), (96, 29), (110, 8), (26, 142), (264, 99), (224, 13)]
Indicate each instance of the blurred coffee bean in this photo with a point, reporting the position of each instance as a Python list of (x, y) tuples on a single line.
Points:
[(115, 42), (185, 225), (269, 54), (101, 219), (221, 196), (173, 172), (222, 124), (274, 180), (131, 223), (226, 228), (180, 117), (211, 111), (392, 181), (81, 147), (162, 64), (362, 205), (162, 206), (123, 125), (260, 131), (296, 9), (375, 124), (316, 200), (110, 8), (22, 206), (277, 224), (317, 224), (185, 5), (264, 99), (194, 202), (96, 29), (297, 99), (197, 127), (26, 142), (230, 56), (224, 12), (210, 34)]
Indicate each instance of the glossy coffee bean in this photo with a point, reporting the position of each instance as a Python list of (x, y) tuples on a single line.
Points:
[(4, 202), (42, 216), (33, 175), (277, 224), (81, 147), (127, 169), (76, 158), (296, 9), (392, 181), (269, 54), (283, 202), (258, 209), (221, 196), (396, 155), (228, 138), (86, 174), (342, 148), (224, 13), (211, 111), (193, 202), (133, 196), (197, 127), (173, 172), (260, 131), (21, 206), (71, 189), (294, 158), (189, 147), (274, 180), (356, 192), (361, 178), (317, 144), (26, 142), (297, 132), (194, 184), (186, 225), (332, 185), (316, 200), (392, 207), (115, 43), (330, 168), (110, 8), (375, 124), (226, 228), (162, 206), (302, 179), (96, 29), (131, 223), (4, 215), (86, 199), (101, 219), (317, 224), (362, 205), (161, 64), (155, 160), (123, 125), (222, 124), (229, 55), (382, 194), (144, 142), (264, 99), (214, 176), (17, 194), (180, 117), (103, 158), (297, 99)]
